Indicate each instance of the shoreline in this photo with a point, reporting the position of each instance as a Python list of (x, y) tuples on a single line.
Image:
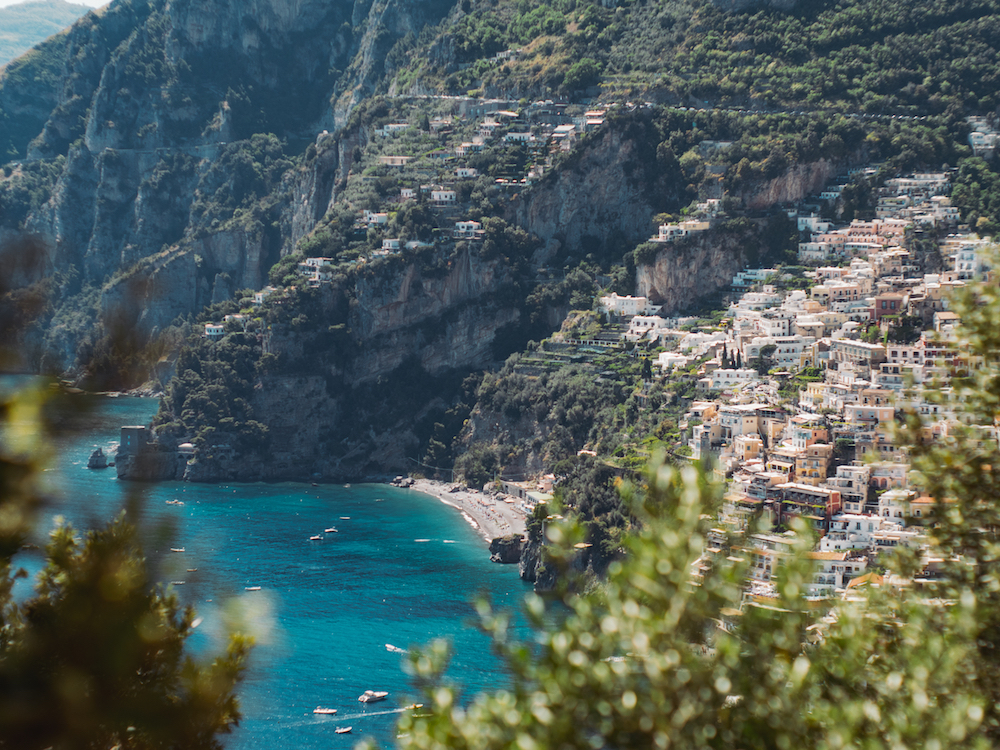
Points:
[(488, 515)]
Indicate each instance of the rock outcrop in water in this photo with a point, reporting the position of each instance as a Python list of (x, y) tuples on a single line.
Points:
[(506, 549)]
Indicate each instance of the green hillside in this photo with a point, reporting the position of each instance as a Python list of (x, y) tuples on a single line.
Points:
[(24, 25), (876, 56)]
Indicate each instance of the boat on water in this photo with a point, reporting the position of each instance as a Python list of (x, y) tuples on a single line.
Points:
[(343, 730), (257, 588), (330, 530), (394, 649), (176, 549), (315, 537), (321, 710), (373, 696)]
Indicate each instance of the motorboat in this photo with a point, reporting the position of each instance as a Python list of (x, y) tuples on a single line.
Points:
[(176, 549), (394, 649), (315, 537), (373, 696), (343, 730), (257, 588), (330, 530), (321, 710)]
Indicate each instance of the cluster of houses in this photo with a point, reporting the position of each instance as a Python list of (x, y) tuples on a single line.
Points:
[(867, 337)]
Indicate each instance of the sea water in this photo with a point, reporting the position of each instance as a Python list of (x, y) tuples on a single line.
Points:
[(401, 568)]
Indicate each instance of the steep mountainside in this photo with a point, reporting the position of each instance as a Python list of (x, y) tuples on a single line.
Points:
[(169, 159), (155, 107)]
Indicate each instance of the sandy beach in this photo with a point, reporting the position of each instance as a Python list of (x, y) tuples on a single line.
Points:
[(489, 515)]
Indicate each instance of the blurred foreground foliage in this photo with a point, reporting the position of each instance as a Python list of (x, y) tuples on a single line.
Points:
[(95, 656), (672, 652)]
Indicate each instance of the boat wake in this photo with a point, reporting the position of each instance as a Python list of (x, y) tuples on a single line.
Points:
[(345, 717)]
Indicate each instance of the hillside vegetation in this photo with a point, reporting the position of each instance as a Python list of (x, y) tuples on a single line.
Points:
[(24, 25), (872, 56)]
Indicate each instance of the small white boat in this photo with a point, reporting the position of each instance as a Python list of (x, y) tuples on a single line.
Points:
[(315, 537), (176, 549), (373, 696), (330, 530), (321, 710), (394, 649), (257, 588), (343, 730)]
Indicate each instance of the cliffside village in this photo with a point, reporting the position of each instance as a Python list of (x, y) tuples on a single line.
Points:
[(871, 334)]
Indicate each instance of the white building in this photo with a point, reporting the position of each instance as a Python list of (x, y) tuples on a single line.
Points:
[(670, 360), (443, 196), (727, 378), (644, 326), (467, 230), (263, 294), (671, 232), (627, 306)]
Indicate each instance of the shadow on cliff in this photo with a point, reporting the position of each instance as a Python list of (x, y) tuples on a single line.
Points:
[(24, 295)]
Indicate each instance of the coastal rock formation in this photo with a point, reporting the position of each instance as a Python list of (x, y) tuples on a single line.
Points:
[(506, 549), (153, 465), (97, 460), (351, 405), (531, 567)]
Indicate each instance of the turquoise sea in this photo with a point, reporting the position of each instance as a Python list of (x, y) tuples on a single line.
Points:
[(401, 569)]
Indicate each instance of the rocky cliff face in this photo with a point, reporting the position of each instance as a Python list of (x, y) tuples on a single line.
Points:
[(154, 96), (602, 199), (795, 184), (354, 410), (683, 273), (506, 549)]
